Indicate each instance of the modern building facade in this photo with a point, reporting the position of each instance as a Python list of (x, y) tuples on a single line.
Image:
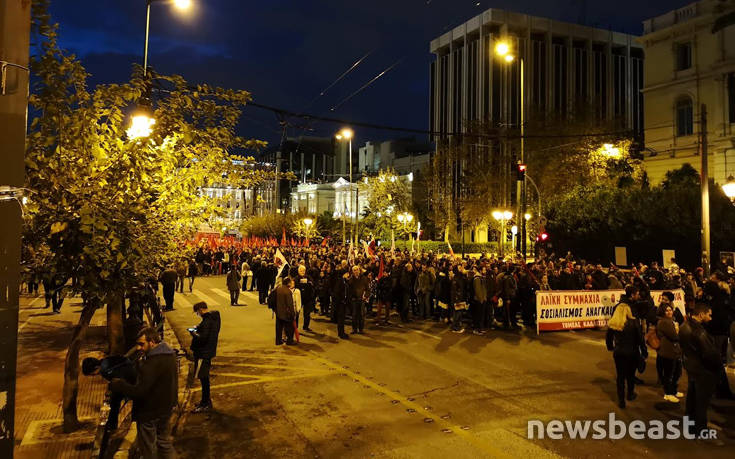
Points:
[(403, 155), (690, 63), (569, 70), (565, 64)]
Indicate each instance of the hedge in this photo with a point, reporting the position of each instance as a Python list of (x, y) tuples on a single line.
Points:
[(441, 246)]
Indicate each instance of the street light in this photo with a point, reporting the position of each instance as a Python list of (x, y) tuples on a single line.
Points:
[(140, 126), (179, 4), (503, 49), (502, 217), (347, 134), (729, 188)]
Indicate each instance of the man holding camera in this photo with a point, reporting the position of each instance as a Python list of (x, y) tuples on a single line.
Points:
[(154, 395), (204, 339)]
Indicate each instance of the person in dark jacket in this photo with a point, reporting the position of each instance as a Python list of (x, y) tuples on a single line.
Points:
[(233, 285), (285, 312), (717, 294), (204, 338), (669, 353), (308, 295), (702, 362), (265, 278), (168, 280), (112, 367), (358, 285), (154, 395), (192, 272), (407, 283), (625, 339), (384, 297), (459, 289)]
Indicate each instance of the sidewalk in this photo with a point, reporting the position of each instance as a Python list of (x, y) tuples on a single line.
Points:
[(43, 338)]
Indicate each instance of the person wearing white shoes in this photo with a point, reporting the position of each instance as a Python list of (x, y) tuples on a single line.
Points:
[(669, 352)]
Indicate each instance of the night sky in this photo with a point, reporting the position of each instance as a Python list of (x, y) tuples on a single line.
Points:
[(286, 51)]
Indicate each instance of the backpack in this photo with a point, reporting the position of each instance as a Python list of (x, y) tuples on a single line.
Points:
[(272, 300), (652, 339)]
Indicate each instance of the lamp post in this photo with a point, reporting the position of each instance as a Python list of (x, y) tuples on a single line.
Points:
[(503, 50), (729, 188), (179, 4), (347, 134), (502, 217), (142, 121), (405, 218), (307, 223)]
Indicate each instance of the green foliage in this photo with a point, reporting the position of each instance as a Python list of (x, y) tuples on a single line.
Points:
[(108, 207), (442, 247), (390, 196), (592, 220)]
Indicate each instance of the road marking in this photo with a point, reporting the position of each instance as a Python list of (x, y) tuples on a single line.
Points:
[(474, 440), (265, 379), (267, 366), (221, 293), (210, 301)]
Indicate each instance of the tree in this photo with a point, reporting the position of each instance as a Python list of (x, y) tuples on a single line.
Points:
[(389, 197), (109, 208)]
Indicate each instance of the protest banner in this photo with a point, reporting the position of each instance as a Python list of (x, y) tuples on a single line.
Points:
[(581, 309)]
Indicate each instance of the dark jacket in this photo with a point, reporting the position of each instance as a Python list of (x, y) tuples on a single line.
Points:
[(384, 291), (358, 287), (169, 278), (156, 391), (666, 331), (628, 341), (308, 291), (118, 367), (233, 279), (700, 353), (284, 303), (204, 339)]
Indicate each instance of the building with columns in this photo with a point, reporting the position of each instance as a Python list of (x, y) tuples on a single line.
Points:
[(690, 63)]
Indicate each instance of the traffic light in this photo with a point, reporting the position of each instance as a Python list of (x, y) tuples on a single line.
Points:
[(521, 172), (543, 237)]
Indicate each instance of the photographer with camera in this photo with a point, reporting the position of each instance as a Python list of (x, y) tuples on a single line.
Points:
[(204, 347)]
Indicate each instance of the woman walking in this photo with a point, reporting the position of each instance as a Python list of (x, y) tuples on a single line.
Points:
[(625, 339), (669, 353)]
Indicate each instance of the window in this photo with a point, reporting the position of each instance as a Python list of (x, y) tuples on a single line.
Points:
[(684, 117), (683, 56), (731, 96)]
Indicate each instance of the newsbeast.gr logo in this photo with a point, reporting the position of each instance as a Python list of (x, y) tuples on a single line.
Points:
[(614, 429)]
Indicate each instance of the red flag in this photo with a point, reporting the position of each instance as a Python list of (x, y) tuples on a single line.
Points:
[(324, 242), (381, 271), (283, 238), (451, 252)]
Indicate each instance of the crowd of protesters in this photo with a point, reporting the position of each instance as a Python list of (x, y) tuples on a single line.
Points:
[(479, 294)]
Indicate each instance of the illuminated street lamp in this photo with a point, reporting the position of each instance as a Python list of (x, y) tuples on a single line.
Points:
[(141, 125), (181, 5), (503, 50), (729, 188), (502, 217), (347, 134)]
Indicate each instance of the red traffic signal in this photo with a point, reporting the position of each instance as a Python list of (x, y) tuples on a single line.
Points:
[(543, 236), (521, 167), (521, 172)]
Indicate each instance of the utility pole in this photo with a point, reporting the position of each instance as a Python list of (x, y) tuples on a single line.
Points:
[(15, 29), (706, 257)]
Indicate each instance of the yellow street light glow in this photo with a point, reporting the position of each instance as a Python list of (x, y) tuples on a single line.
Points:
[(514, 230), (729, 188), (502, 48), (508, 214), (338, 136), (509, 58), (610, 150), (527, 216), (140, 126), (497, 215), (182, 4), (346, 133), (401, 218), (409, 218), (308, 221)]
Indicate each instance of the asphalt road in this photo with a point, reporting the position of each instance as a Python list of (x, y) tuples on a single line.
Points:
[(419, 391)]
